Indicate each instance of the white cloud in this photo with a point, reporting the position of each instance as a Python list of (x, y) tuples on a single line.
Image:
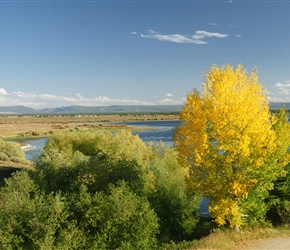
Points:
[(79, 96), (280, 92), (279, 99), (47, 100), (280, 85), (196, 38), (3, 91), (200, 34), (168, 101), (50, 97)]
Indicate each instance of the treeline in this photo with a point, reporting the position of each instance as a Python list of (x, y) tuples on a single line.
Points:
[(76, 109), (98, 191)]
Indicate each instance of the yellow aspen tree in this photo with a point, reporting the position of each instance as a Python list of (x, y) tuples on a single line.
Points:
[(228, 140)]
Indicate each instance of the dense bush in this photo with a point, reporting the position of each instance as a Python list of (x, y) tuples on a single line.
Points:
[(31, 219), (279, 200), (12, 151), (99, 191), (4, 157)]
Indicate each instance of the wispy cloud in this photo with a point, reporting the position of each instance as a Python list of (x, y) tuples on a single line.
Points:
[(197, 38), (283, 88), (279, 99), (280, 92), (3, 91), (169, 101), (284, 85), (46, 100)]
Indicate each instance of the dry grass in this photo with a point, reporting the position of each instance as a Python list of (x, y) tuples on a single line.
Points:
[(32, 126), (232, 240), (226, 239)]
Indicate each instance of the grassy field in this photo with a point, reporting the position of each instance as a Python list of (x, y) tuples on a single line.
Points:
[(33, 126)]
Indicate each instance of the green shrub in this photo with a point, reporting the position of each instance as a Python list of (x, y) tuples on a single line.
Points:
[(117, 219), (279, 200), (11, 149), (35, 133), (4, 157), (29, 219), (83, 165), (282, 210)]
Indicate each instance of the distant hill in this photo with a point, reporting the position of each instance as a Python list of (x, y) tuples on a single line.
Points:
[(278, 105), (16, 110), (92, 109), (120, 109)]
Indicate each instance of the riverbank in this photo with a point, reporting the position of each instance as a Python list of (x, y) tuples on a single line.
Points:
[(16, 128)]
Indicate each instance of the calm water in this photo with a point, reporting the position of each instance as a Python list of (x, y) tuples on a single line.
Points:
[(162, 131), (38, 143)]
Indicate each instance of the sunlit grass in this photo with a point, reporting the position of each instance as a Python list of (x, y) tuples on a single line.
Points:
[(226, 239), (33, 127)]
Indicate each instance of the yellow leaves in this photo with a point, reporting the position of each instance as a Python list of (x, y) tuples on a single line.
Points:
[(241, 189), (228, 139), (225, 210)]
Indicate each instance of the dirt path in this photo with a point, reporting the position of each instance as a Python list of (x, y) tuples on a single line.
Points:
[(271, 243)]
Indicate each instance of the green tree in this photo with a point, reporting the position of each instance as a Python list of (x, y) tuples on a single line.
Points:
[(229, 142), (174, 202), (151, 172)]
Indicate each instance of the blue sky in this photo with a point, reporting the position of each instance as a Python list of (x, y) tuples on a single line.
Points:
[(60, 53)]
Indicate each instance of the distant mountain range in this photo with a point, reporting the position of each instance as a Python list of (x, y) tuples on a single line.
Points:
[(107, 109), (91, 109)]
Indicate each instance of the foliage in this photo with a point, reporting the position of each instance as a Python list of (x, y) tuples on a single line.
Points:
[(116, 220), (34, 220), (174, 202), (229, 142), (279, 201), (115, 193), (29, 219), (11, 151)]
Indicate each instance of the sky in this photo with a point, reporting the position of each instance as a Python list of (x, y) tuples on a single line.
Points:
[(100, 53)]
